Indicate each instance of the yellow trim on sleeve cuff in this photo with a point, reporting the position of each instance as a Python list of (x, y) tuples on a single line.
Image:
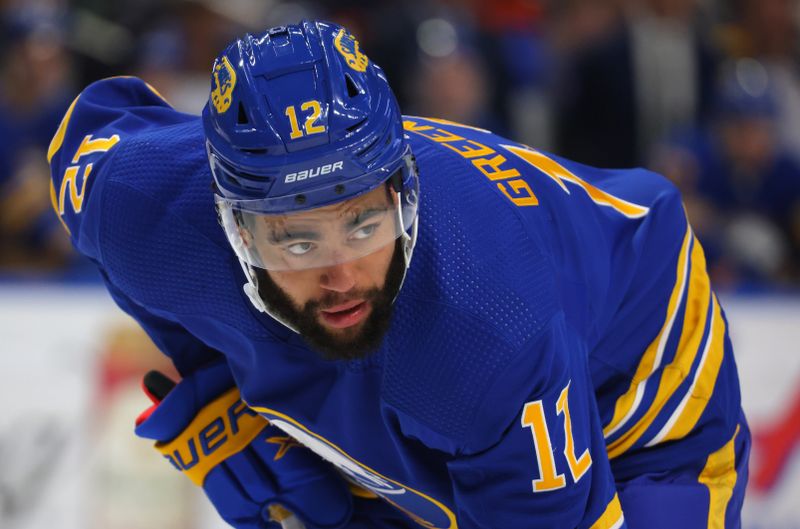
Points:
[(719, 475), (58, 138), (612, 517)]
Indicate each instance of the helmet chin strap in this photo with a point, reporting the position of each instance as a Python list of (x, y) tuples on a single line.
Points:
[(408, 243), (250, 288)]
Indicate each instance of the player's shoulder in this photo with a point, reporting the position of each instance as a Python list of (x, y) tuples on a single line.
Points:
[(127, 119), (484, 152), (474, 199), (113, 109), (131, 184), (120, 117), (529, 177)]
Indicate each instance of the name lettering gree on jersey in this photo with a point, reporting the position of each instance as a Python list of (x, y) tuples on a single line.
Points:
[(497, 168), (492, 164)]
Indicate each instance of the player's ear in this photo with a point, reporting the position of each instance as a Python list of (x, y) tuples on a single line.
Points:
[(391, 195), (246, 236)]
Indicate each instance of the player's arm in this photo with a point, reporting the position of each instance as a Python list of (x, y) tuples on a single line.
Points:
[(105, 115), (200, 425), (98, 123), (251, 472), (254, 475), (536, 457), (185, 350)]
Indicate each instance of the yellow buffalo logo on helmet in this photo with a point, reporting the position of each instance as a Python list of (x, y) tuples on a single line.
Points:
[(224, 81), (348, 47)]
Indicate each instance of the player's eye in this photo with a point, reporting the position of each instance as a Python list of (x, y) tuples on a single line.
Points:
[(364, 232), (300, 248)]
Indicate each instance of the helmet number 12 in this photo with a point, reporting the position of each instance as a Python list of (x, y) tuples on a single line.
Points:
[(533, 417), (310, 126)]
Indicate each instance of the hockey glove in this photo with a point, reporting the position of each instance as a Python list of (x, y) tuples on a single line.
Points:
[(251, 471)]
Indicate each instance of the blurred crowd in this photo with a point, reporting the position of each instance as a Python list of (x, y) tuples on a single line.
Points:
[(706, 92)]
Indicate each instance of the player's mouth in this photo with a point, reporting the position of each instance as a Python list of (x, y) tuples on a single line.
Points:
[(346, 314)]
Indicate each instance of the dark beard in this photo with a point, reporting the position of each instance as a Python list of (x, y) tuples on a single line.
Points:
[(354, 345)]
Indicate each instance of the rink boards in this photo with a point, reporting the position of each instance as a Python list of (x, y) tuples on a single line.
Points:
[(69, 373)]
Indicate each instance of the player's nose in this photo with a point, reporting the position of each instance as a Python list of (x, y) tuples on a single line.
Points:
[(338, 278)]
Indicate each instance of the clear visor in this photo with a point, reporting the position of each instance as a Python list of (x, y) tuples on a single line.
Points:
[(325, 236)]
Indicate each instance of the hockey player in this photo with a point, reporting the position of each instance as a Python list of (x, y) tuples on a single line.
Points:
[(553, 355)]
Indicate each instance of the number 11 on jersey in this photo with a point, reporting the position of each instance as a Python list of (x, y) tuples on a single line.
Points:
[(533, 417)]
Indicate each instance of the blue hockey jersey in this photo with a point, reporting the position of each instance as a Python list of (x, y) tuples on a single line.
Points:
[(556, 332)]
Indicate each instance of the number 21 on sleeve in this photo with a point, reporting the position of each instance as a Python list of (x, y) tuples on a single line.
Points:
[(533, 417)]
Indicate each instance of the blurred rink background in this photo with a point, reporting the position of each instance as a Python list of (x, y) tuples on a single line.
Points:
[(706, 92)]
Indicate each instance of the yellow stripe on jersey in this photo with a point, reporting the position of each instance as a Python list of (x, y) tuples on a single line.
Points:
[(694, 402), (558, 173), (156, 92), (56, 208), (612, 517), (628, 403), (58, 138), (719, 475), (696, 315)]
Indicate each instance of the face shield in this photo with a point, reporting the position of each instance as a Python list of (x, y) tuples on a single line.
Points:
[(323, 236)]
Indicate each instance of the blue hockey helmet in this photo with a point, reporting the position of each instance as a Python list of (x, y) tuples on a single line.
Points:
[(299, 120)]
